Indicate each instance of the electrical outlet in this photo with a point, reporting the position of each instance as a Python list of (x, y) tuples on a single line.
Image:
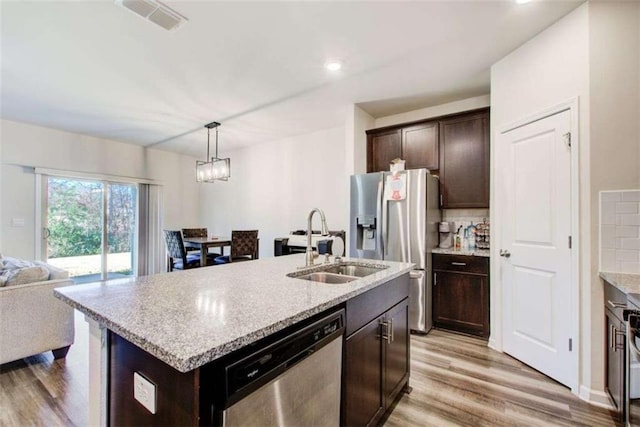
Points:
[(144, 391)]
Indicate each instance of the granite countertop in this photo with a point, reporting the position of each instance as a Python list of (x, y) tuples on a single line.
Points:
[(471, 252), (189, 318), (627, 283)]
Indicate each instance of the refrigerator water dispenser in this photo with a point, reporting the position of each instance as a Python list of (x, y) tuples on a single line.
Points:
[(366, 234)]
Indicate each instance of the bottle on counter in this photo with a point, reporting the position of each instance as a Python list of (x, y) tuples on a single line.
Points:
[(471, 236), (458, 239)]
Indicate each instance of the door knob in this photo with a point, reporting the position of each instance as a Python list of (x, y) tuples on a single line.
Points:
[(505, 253)]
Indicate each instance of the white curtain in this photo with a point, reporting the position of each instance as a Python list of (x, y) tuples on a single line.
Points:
[(151, 249)]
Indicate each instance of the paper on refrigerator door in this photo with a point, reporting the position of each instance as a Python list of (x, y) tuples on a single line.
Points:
[(396, 187)]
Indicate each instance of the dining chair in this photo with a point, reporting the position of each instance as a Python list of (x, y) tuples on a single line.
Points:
[(193, 232), (179, 259), (244, 247)]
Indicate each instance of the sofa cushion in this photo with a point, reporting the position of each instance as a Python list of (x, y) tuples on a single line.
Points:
[(55, 273), (24, 275)]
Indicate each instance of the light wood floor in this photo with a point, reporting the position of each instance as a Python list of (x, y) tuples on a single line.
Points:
[(459, 381), (456, 380)]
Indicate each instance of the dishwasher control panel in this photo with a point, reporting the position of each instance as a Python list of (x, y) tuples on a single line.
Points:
[(268, 362)]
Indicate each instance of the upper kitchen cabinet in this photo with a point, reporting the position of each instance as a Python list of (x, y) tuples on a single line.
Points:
[(464, 161), (416, 144), (420, 146), (382, 147)]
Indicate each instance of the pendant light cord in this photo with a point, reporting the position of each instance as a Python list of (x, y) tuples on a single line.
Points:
[(216, 142), (208, 131)]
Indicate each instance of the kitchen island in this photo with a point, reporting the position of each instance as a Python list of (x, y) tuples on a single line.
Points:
[(188, 320)]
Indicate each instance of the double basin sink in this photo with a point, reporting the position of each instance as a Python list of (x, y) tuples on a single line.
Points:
[(341, 273)]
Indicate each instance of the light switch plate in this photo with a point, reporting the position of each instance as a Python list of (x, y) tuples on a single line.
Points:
[(144, 391)]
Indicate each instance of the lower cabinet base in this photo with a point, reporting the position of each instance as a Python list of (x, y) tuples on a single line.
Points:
[(462, 331), (406, 389)]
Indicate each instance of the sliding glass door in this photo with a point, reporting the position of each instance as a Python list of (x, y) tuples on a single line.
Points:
[(90, 228)]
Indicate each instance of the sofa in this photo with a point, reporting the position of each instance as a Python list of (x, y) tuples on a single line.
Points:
[(32, 319)]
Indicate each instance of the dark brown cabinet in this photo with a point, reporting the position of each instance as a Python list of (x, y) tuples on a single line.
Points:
[(416, 144), (363, 402), (461, 293), (376, 364), (616, 349), (454, 147), (396, 365), (382, 147), (615, 360), (420, 146), (464, 161)]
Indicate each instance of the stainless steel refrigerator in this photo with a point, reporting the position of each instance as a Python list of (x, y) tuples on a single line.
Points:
[(396, 218)]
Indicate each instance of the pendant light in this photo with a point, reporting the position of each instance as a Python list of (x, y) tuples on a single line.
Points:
[(217, 169)]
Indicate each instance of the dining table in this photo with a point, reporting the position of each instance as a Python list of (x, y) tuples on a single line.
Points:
[(204, 243)]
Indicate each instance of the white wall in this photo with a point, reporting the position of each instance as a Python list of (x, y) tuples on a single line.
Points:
[(26, 146), (614, 51), (435, 111), (357, 123), (592, 53), (550, 69), (273, 186)]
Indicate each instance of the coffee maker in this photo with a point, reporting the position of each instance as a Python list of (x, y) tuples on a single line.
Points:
[(446, 234)]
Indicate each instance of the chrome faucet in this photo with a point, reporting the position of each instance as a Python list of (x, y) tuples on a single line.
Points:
[(325, 232)]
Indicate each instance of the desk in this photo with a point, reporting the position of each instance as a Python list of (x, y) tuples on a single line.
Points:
[(208, 242)]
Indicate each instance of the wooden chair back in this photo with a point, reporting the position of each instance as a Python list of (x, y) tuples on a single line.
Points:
[(244, 243)]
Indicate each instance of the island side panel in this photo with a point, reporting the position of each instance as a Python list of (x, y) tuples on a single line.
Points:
[(376, 353), (176, 392)]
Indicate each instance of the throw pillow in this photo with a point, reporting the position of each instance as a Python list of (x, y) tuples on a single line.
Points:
[(26, 275), (15, 263)]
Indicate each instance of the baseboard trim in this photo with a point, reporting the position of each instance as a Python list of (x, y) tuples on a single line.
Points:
[(492, 344), (595, 397)]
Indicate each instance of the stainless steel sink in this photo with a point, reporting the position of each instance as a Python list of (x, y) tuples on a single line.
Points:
[(352, 270), (324, 277), (341, 273)]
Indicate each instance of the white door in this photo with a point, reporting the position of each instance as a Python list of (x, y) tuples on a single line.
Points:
[(536, 258)]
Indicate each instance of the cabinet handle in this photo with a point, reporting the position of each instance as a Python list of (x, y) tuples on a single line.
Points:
[(617, 346), (391, 331), (435, 279), (458, 263), (611, 334), (384, 330), (616, 304)]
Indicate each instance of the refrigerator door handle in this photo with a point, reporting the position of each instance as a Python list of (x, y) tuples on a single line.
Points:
[(416, 274), (385, 227), (379, 214)]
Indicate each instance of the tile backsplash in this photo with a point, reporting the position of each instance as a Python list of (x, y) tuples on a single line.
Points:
[(465, 217), (620, 231)]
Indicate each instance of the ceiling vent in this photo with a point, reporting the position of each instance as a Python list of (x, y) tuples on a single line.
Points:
[(154, 11)]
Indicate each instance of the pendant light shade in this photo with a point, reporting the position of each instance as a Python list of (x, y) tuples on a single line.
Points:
[(216, 169)]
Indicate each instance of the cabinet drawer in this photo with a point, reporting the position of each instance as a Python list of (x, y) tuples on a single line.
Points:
[(461, 263), (614, 299)]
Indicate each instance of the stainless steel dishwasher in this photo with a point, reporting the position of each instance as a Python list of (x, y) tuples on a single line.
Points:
[(294, 381)]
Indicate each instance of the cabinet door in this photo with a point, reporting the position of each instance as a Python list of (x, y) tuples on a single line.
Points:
[(615, 357), (383, 147), (464, 161), (461, 302), (396, 351), (363, 404), (420, 146)]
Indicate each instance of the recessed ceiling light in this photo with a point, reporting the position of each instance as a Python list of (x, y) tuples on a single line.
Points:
[(333, 65), (522, 1)]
